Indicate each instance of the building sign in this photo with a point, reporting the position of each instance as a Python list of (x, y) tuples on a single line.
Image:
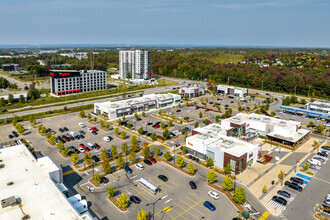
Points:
[(190, 144), (123, 110), (64, 74), (247, 125), (58, 74), (250, 155)]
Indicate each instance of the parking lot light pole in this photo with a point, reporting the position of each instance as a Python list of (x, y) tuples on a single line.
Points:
[(153, 207)]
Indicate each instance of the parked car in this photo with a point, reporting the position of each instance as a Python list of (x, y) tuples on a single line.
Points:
[(60, 130), (322, 154), (178, 110), (81, 145), (10, 136), (186, 129), (135, 199), (82, 132), (106, 139), (94, 128), (14, 133), (192, 185), (294, 186), (319, 158), (163, 178), (94, 132), (156, 126), (149, 123), (280, 200), (97, 146), (65, 129), (95, 158), (209, 205), (87, 149), (326, 152), (81, 150), (297, 180), (139, 166), (128, 169), (104, 180), (152, 159), (326, 148), (146, 161), (284, 193), (82, 124), (90, 145), (314, 162), (82, 136), (213, 194)]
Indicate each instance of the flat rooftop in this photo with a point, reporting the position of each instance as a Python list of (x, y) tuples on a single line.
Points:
[(293, 137), (32, 184)]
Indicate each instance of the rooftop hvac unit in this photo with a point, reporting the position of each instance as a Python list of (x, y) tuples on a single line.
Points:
[(236, 120), (266, 119), (11, 201), (282, 123)]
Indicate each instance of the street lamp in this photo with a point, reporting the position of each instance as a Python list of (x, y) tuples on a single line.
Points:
[(153, 207)]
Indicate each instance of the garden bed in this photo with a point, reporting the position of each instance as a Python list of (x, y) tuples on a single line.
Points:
[(91, 122), (51, 143), (76, 166), (113, 200), (171, 164), (120, 137), (96, 184), (62, 154)]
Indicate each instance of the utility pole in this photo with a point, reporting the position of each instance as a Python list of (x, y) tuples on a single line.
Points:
[(295, 89), (309, 87), (262, 85)]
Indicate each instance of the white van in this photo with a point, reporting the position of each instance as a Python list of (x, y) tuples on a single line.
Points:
[(90, 145), (106, 139), (315, 162)]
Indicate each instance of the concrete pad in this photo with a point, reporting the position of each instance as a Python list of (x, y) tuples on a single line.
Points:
[(308, 146), (253, 172)]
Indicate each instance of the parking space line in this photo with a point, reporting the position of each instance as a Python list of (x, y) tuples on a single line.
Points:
[(178, 214), (164, 145), (186, 210), (114, 176), (163, 183), (173, 182), (196, 196), (193, 208), (83, 189), (148, 192), (140, 193), (198, 203), (1, 138)]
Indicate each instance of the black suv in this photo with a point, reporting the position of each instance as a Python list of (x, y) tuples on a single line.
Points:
[(284, 193), (163, 178), (135, 199), (297, 180), (294, 186), (280, 200), (192, 184), (146, 161)]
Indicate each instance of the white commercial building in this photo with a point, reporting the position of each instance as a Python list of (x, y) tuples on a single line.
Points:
[(37, 185), (230, 90), (211, 141), (64, 82), (319, 106), (114, 110), (192, 92), (135, 64)]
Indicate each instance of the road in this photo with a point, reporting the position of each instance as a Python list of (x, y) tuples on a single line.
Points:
[(21, 84)]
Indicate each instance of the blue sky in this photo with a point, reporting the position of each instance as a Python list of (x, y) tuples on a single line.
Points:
[(302, 23)]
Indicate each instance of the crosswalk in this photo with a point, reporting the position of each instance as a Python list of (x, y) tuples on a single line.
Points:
[(277, 205)]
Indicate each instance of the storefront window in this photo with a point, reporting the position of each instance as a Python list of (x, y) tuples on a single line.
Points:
[(232, 164)]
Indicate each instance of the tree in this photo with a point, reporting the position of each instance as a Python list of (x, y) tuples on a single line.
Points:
[(114, 151), (10, 98), (227, 169), (74, 158), (311, 124), (104, 154), (264, 189), (240, 108), (21, 99), (136, 115), (145, 152), (20, 128), (157, 151), (31, 119), (66, 150), (227, 184), (179, 105), (52, 139), (97, 177), (143, 114), (59, 145), (272, 114), (124, 118), (2, 102), (82, 114), (39, 128), (89, 116), (123, 201), (200, 114), (88, 159), (107, 125), (153, 137), (120, 162), (196, 125), (43, 130), (48, 135), (170, 123), (184, 149), (132, 156), (306, 166), (211, 177), (162, 125), (185, 137), (320, 128), (191, 168), (257, 112), (116, 130), (123, 134), (180, 161), (142, 215), (140, 131), (106, 167), (209, 161), (167, 155), (119, 121), (124, 148), (239, 195), (166, 134), (206, 121), (129, 125), (281, 176), (217, 118), (110, 191), (101, 122), (95, 119)]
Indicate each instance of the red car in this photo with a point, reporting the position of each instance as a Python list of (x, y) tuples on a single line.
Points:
[(97, 146), (157, 126), (82, 145), (152, 159), (86, 148), (94, 128), (66, 139)]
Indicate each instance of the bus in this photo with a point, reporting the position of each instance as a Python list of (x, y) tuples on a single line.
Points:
[(149, 186)]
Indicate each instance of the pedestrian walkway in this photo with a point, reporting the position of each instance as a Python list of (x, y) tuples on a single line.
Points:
[(264, 216), (276, 205)]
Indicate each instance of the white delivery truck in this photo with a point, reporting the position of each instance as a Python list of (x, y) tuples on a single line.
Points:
[(73, 134)]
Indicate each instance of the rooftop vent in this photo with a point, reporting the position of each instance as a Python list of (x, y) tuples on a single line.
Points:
[(282, 123), (236, 120), (11, 201), (266, 119)]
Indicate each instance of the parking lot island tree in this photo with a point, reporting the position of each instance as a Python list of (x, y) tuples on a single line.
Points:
[(170, 123), (104, 154), (43, 130), (129, 125), (264, 189), (66, 151), (217, 118), (39, 127), (48, 135), (124, 148), (211, 176), (20, 128), (162, 125), (157, 151), (196, 125), (142, 215), (52, 139), (114, 151), (227, 169), (167, 155), (74, 158), (124, 118), (123, 134), (239, 195), (179, 105), (166, 134), (110, 191), (200, 115), (101, 122), (119, 122), (143, 114), (320, 128), (116, 130), (281, 176), (184, 149), (107, 125), (191, 168), (106, 167), (209, 161), (82, 114), (145, 151), (97, 177), (180, 161), (132, 156), (120, 162), (59, 145), (140, 131), (153, 136), (123, 201), (136, 115), (185, 136), (89, 116), (227, 184), (95, 119), (88, 159)]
